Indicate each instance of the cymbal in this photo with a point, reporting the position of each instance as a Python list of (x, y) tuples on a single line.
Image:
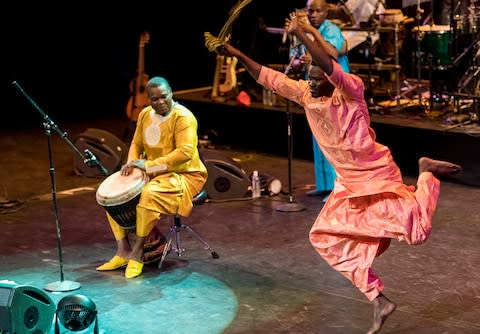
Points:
[(371, 28), (352, 28)]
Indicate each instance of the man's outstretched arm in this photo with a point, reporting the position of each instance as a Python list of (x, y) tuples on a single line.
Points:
[(250, 65)]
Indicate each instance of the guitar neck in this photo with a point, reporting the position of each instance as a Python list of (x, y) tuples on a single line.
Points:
[(139, 98), (216, 78), (141, 68)]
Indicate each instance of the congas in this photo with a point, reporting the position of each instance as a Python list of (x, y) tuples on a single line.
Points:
[(434, 43), (390, 17), (391, 20), (119, 196)]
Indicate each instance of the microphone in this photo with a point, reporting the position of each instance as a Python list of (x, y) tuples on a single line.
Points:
[(92, 161)]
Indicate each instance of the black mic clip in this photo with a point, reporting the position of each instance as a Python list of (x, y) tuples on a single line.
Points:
[(92, 161)]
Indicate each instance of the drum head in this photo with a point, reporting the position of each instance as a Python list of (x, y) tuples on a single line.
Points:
[(117, 189), (438, 29)]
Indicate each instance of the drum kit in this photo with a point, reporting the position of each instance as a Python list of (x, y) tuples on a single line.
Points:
[(446, 56), (375, 42), (450, 55)]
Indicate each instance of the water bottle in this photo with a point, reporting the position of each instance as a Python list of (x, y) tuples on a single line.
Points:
[(269, 98), (272, 99), (255, 185), (265, 98)]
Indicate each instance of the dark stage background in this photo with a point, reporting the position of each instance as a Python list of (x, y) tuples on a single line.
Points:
[(77, 60)]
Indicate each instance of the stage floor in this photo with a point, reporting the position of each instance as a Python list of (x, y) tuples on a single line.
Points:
[(268, 279)]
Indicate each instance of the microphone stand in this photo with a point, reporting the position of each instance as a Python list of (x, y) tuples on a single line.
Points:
[(291, 206), (62, 285)]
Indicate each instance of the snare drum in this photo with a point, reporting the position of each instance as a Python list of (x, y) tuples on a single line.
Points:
[(119, 196), (435, 42)]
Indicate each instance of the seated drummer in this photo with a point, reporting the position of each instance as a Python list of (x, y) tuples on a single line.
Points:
[(164, 146)]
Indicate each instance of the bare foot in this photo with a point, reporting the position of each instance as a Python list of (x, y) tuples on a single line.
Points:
[(382, 308), (438, 167)]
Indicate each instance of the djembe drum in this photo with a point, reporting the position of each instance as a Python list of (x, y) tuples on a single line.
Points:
[(119, 196)]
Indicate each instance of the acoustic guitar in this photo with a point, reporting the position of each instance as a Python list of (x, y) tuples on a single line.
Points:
[(225, 78), (139, 98)]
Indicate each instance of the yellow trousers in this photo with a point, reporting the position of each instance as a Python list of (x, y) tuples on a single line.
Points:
[(144, 223)]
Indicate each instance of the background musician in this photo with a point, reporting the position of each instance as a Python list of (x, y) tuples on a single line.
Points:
[(316, 12)]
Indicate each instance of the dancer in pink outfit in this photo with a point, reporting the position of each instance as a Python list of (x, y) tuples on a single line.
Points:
[(370, 204)]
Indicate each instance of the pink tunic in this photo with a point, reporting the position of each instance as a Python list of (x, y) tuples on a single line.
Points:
[(369, 204)]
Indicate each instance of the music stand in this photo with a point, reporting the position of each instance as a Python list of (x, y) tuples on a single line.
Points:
[(62, 285)]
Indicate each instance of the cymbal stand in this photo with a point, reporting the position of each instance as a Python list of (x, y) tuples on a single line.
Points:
[(418, 37), (90, 159), (372, 19), (397, 65), (372, 22), (473, 68), (369, 58)]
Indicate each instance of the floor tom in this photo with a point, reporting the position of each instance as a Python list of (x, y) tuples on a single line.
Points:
[(434, 44)]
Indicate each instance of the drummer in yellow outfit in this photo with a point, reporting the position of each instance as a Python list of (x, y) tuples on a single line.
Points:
[(164, 146)]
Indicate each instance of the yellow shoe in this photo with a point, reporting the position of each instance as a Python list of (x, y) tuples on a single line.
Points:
[(134, 269), (114, 263)]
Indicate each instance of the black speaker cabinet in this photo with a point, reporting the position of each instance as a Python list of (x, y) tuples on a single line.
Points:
[(25, 309), (108, 149), (226, 178)]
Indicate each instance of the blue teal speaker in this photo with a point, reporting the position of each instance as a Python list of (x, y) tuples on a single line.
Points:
[(25, 309), (76, 313)]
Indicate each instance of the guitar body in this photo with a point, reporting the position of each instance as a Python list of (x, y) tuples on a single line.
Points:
[(225, 79), (229, 68), (139, 98)]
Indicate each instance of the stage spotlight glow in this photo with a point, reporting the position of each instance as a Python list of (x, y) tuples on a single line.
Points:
[(76, 313)]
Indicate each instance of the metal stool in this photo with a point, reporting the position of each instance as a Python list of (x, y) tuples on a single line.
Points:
[(174, 232)]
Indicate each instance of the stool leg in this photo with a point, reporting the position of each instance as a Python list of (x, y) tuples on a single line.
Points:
[(168, 245), (200, 239), (175, 230), (178, 225)]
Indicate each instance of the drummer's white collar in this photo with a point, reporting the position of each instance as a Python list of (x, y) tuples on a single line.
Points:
[(160, 118)]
